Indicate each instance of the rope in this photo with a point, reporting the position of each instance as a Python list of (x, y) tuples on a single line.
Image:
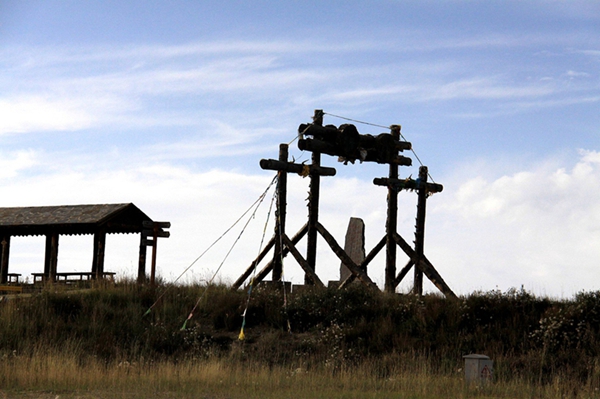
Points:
[(384, 127), (258, 200), (242, 336), (289, 326), (261, 198)]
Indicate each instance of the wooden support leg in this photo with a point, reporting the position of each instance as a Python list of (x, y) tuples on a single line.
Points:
[(280, 214), (51, 257), (313, 206), (420, 230), (99, 251), (142, 261), (5, 250), (391, 225)]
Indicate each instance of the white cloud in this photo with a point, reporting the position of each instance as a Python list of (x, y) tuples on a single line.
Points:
[(13, 163), (539, 227), (148, 86), (23, 114)]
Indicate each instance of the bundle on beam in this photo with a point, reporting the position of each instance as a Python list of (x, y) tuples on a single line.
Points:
[(349, 145)]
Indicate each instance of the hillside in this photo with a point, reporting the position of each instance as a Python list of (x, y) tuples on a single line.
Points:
[(530, 338)]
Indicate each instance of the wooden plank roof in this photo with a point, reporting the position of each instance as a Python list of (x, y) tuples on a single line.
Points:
[(72, 219)]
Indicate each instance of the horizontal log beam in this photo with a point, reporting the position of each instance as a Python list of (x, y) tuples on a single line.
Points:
[(301, 169), (314, 145), (407, 184), (372, 155)]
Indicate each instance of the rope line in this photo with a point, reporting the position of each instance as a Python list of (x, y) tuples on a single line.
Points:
[(258, 203), (384, 127), (258, 200), (278, 221), (242, 335)]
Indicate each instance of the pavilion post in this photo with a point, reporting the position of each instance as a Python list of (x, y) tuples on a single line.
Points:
[(142, 261), (5, 249), (51, 257), (99, 251)]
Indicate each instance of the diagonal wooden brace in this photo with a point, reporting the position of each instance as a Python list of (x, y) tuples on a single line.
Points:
[(404, 272), (356, 270), (363, 265), (427, 268), (303, 263)]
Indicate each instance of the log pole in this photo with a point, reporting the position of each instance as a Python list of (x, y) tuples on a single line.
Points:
[(420, 231), (313, 207), (391, 224), (280, 213), (4, 259)]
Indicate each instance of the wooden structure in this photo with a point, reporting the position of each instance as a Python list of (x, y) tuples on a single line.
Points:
[(96, 220), (349, 145)]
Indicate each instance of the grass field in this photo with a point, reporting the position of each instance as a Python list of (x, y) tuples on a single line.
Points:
[(61, 375), (101, 343)]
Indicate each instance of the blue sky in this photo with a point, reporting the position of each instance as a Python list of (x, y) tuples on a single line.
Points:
[(171, 105)]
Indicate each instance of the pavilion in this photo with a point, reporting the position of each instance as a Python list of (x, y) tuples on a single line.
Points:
[(96, 220)]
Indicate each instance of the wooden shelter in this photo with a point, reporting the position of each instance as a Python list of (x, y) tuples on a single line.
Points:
[(96, 220)]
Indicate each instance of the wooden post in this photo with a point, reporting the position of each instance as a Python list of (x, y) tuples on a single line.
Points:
[(99, 251), (142, 261), (149, 237), (391, 224), (282, 166), (51, 257), (313, 206), (4, 259), (280, 214), (153, 264), (420, 230)]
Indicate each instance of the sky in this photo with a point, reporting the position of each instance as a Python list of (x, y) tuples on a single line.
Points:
[(171, 106)]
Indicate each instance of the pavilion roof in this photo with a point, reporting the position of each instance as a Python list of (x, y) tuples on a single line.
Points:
[(72, 219)]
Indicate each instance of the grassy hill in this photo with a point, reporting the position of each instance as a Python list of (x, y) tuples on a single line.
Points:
[(533, 340)]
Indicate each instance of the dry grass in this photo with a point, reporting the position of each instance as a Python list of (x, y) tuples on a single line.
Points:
[(345, 344), (54, 374)]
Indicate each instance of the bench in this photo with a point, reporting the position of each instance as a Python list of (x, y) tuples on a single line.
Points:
[(11, 288), (73, 277)]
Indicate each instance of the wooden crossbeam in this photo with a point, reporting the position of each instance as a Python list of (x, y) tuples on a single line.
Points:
[(408, 184), (299, 168)]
